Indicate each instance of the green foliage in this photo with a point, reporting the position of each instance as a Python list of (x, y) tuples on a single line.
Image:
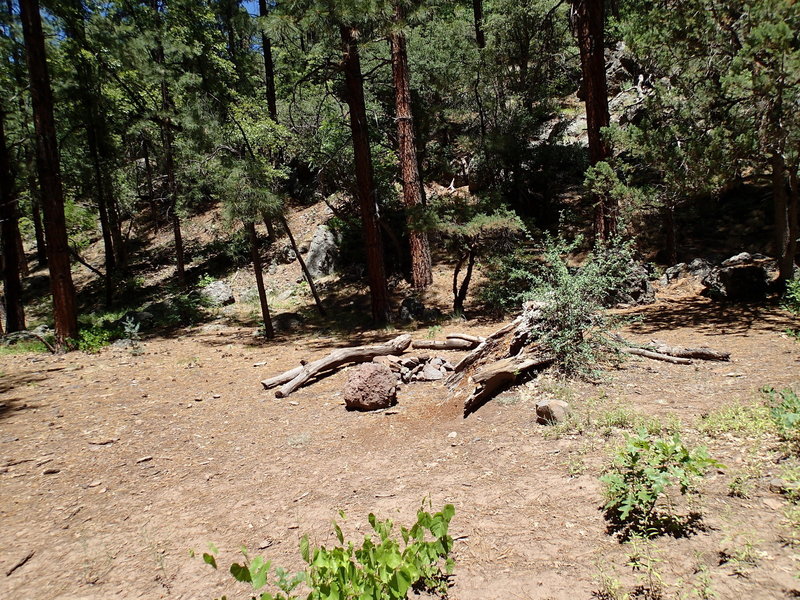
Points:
[(575, 328), (785, 411), (92, 339), (382, 567), (509, 277), (791, 297), (22, 347), (747, 420), (642, 473)]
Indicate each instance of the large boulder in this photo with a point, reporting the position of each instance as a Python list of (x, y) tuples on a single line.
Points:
[(322, 253), (741, 277), (370, 386), (217, 293), (636, 289)]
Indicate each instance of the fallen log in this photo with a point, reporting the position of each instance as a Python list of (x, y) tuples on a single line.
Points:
[(492, 378), (703, 352), (465, 336), (657, 356), (449, 344), (297, 377)]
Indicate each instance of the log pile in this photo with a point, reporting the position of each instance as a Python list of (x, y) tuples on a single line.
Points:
[(502, 359)]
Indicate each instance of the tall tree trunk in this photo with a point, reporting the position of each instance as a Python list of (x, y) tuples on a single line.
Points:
[(269, 66), (460, 291), (794, 214), (785, 243), (588, 16), (421, 274), (36, 214), (255, 255), (9, 234), (64, 305), (365, 183), (477, 11)]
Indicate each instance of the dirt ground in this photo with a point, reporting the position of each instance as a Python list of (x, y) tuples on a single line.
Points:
[(115, 465)]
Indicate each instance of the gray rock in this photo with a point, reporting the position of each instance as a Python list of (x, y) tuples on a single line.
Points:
[(550, 412), (287, 322), (737, 282), (411, 309), (272, 269), (323, 253), (217, 293), (370, 386), (637, 289), (430, 373), (738, 259)]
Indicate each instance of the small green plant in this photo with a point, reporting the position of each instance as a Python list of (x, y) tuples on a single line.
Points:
[(641, 475), (642, 559), (433, 331), (793, 333), (791, 297), (743, 420), (22, 347), (381, 568), (785, 411), (92, 339), (205, 280)]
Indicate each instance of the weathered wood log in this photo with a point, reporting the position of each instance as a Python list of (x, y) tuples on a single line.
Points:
[(465, 336), (490, 379), (449, 344), (485, 349), (703, 352), (657, 356), (298, 376)]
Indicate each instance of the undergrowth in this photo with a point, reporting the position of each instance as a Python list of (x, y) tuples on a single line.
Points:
[(380, 568)]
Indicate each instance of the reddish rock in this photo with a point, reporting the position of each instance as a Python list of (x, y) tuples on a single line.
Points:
[(370, 386)]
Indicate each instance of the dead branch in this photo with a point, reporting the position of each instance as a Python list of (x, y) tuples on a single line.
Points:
[(449, 344), (657, 356), (297, 377), (703, 352)]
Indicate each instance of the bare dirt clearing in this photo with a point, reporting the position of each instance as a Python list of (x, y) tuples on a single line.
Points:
[(113, 465)]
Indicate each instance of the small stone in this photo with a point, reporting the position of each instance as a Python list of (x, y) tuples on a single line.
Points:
[(94, 484), (144, 459), (452, 434), (51, 471), (550, 412), (216, 396), (447, 366), (430, 373)]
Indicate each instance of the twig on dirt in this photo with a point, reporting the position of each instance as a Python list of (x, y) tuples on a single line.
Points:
[(20, 562), (657, 356)]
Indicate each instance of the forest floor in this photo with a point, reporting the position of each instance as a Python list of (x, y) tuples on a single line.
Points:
[(114, 465)]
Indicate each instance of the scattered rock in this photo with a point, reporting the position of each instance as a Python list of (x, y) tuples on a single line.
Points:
[(370, 386), (51, 471), (287, 322), (550, 412), (430, 373), (411, 309), (738, 259), (323, 253), (781, 486), (217, 293), (144, 459)]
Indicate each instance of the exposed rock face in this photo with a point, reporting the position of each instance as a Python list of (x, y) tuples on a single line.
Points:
[(740, 277), (322, 253), (217, 293), (637, 289), (550, 412), (370, 386)]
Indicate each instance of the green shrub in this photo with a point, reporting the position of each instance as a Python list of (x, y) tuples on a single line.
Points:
[(791, 297), (509, 279), (642, 473), (785, 411), (575, 328), (382, 568), (92, 339)]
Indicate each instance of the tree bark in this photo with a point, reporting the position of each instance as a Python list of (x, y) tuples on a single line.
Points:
[(269, 66), (373, 245), (421, 273), (255, 254), (785, 243), (588, 18), (64, 305), (477, 11), (9, 234), (460, 292)]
